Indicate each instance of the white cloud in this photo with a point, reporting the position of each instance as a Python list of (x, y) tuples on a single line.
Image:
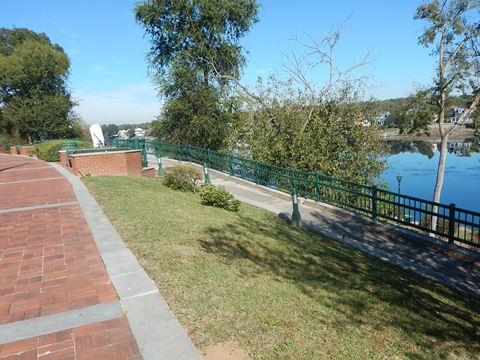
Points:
[(131, 104)]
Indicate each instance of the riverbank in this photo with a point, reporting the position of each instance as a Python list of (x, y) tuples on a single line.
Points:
[(432, 134)]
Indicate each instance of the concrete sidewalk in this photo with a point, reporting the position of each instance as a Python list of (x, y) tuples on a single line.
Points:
[(452, 266)]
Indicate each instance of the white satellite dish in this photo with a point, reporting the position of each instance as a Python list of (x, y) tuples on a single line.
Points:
[(97, 135)]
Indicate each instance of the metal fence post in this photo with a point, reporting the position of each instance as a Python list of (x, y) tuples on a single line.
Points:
[(256, 172), (317, 186), (451, 224), (374, 202), (230, 164), (144, 154), (190, 153), (296, 217), (159, 159), (205, 173), (292, 180), (209, 161)]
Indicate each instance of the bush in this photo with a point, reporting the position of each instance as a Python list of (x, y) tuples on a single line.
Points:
[(182, 177), (49, 150), (214, 196)]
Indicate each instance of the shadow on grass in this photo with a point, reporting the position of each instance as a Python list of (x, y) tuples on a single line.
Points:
[(357, 285)]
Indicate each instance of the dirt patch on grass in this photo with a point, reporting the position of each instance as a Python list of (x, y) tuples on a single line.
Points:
[(226, 351)]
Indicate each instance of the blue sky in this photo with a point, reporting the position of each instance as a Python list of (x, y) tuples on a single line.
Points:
[(107, 48)]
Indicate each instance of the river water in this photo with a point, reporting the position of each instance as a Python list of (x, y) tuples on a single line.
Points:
[(416, 162)]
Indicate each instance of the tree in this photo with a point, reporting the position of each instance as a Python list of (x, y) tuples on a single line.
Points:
[(415, 114), (34, 100), (476, 122), (186, 37), (452, 32), (315, 127), (201, 117)]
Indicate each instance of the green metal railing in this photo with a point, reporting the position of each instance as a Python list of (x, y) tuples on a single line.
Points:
[(36, 142), (453, 224)]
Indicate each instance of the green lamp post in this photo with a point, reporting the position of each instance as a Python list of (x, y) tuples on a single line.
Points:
[(296, 217)]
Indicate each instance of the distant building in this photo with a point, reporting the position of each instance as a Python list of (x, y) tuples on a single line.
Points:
[(140, 133), (122, 134), (455, 115), (379, 120), (382, 118)]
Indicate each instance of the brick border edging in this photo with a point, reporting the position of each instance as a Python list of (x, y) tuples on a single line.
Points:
[(157, 331)]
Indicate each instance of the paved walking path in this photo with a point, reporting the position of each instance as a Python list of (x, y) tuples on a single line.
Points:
[(434, 259), (69, 288)]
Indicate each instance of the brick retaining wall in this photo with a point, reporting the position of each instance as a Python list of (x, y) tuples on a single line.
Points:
[(127, 162)]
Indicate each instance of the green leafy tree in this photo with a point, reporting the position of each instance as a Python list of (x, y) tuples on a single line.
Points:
[(201, 118), (334, 142), (313, 126), (34, 99), (415, 114), (190, 42), (452, 32)]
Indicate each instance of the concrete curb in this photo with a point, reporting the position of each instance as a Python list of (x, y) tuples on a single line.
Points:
[(158, 333)]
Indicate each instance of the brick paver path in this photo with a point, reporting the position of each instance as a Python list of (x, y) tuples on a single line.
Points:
[(104, 340), (49, 264)]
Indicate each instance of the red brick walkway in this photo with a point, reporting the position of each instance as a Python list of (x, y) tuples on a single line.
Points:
[(108, 340), (49, 263)]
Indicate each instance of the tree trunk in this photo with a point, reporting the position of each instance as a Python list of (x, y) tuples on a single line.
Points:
[(443, 135), (440, 176)]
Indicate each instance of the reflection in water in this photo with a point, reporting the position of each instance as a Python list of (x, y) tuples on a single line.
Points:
[(422, 147), (416, 162)]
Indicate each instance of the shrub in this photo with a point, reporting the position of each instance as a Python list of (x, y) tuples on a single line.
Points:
[(182, 177), (214, 196), (49, 150)]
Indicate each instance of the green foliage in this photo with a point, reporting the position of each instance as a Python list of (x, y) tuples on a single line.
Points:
[(213, 196), (182, 177), (34, 101), (415, 114), (200, 118), (476, 121), (109, 130), (186, 35), (49, 150), (10, 139), (451, 32), (192, 42), (329, 137)]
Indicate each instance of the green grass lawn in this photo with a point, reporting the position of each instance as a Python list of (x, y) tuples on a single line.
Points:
[(281, 292)]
